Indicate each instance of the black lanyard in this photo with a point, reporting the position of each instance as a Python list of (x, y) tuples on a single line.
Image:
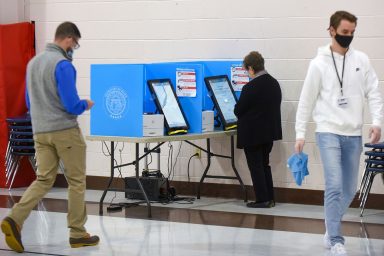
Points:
[(337, 73)]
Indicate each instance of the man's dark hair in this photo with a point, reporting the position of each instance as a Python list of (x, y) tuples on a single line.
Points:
[(338, 16), (67, 29), (254, 60)]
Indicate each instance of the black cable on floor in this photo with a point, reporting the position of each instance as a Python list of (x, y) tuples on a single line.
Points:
[(40, 253)]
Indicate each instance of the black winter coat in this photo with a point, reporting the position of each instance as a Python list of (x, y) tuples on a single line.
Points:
[(258, 112)]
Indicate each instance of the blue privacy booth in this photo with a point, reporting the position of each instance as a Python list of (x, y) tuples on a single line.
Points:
[(122, 96), (118, 93)]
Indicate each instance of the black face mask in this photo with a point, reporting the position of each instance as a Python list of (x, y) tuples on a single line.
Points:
[(343, 41)]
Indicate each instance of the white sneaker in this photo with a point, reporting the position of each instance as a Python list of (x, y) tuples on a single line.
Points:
[(338, 250), (327, 241)]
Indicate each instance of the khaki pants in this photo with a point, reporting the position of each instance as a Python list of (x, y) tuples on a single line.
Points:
[(69, 146)]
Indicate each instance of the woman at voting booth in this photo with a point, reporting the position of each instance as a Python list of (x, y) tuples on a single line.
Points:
[(259, 124)]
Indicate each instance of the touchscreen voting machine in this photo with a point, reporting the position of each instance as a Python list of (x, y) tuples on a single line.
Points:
[(167, 103), (224, 99)]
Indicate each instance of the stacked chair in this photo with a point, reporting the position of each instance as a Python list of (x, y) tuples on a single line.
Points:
[(374, 164), (20, 145)]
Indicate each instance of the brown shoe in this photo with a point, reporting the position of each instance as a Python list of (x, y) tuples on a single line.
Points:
[(12, 234), (87, 240)]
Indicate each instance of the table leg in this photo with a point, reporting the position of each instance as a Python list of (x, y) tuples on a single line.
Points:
[(137, 170)]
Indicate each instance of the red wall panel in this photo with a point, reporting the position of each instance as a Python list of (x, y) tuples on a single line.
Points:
[(16, 49)]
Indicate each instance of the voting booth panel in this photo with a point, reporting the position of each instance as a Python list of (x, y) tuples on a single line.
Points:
[(118, 91)]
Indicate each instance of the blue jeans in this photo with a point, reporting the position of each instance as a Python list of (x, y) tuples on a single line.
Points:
[(341, 157)]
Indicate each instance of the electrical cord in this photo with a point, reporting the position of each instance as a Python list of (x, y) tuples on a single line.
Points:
[(168, 198), (147, 149), (177, 157), (183, 200), (189, 161), (116, 163), (150, 161), (169, 163), (102, 148)]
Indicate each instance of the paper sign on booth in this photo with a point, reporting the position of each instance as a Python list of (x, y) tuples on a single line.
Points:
[(186, 82), (239, 77)]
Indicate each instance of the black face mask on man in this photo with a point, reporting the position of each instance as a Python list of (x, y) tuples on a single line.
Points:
[(343, 41)]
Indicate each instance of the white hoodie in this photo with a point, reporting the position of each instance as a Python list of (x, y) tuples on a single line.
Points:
[(321, 91)]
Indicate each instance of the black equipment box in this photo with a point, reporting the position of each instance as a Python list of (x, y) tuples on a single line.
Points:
[(156, 188)]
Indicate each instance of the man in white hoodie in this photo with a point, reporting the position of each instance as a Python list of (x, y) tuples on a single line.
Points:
[(338, 82)]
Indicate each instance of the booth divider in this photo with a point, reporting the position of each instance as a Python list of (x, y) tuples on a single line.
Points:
[(117, 90)]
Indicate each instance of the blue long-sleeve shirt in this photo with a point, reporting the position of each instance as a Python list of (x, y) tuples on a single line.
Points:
[(65, 75)]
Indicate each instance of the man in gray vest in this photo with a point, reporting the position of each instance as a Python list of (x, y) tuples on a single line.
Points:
[(54, 106)]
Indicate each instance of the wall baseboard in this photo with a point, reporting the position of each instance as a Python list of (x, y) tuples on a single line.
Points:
[(282, 195)]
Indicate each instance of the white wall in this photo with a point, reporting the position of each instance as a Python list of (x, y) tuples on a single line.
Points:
[(287, 33), (11, 11)]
